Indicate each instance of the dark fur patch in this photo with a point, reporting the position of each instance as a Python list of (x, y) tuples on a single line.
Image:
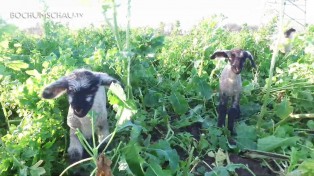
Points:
[(222, 112), (82, 85), (236, 57), (233, 114), (74, 156), (288, 32)]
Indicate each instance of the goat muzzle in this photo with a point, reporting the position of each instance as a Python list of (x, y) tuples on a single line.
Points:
[(236, 70), (79, 112)]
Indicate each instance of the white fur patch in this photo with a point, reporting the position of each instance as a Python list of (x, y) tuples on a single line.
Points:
[(249, 53), (70, 99), (230, 83), (88, 98)]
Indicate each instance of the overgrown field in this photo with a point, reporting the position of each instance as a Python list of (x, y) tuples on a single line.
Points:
[(171, 90)]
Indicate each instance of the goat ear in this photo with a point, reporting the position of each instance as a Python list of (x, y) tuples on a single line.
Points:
[(223, 53), (105, 79), (55, 89), (250, 56)]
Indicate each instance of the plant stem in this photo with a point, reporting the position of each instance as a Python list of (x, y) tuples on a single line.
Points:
[(93, 172), (74, 164), (111, 138), (294, 116), (93, 129), (5, 115), (299, 116), (84, 143), (200, 70), (128, 49), (170, 132), (115, 26), (189, 160), (272, 67)]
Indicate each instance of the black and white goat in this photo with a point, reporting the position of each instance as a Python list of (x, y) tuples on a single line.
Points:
[(289, 35), (231, 84), (85, 90), (285, 39)]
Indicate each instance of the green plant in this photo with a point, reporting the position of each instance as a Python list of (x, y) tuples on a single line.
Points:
[(171, 92)]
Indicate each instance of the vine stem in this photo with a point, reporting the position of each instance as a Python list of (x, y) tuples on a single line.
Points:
[(5, 115), (128, 49), (115, 26), (76, 163), (115, 29), (294, 116), (272, 67)]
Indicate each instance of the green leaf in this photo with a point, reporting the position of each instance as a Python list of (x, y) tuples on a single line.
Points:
[(157, 41), (297, 156), (270, 143), (151, 98), (284, 131), (246, 136), (117, 90), (203, 88), (125, 108), (218, 171), (134, 159), (208, 52), (16, 65), (135, 132), (163, 150), (155, 168), (248, 87), (306, 167), (33, 73), (179, 103), (233, 167), (28, 153), (310, 124), (49, 144), (35, 170), (283, 109), (23, 171), (203, 143)]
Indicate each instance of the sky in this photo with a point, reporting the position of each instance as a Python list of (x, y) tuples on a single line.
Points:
[(80, 13)]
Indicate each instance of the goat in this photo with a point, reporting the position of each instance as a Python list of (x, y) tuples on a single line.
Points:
[(231, 84), (289, 35), (85, 90), (285, 45)]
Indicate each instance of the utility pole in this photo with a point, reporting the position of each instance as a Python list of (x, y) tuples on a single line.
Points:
[(294, 12)]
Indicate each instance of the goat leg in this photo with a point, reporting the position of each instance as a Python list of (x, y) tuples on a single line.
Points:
[(236, 105), (102, 129), (102, 126), (222, 110), (233, 114), (75, 149)]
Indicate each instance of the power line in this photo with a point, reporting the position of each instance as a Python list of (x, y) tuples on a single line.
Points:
[(294, 12)]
